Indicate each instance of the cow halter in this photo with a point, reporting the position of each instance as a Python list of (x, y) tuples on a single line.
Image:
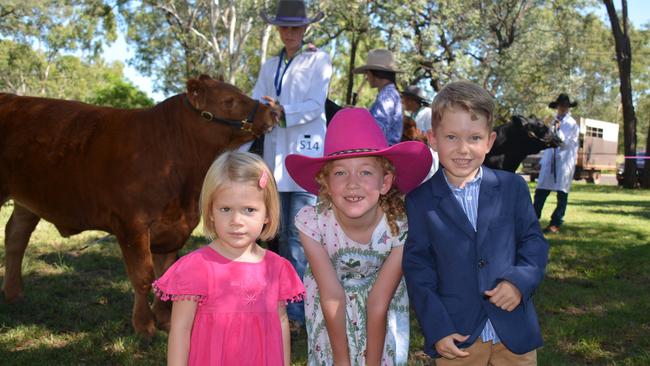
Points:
[(245, 125)]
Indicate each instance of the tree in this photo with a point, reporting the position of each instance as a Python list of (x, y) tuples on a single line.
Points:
[(120, 94), (51, 29), (176, 40), (68, 77), (641, 79), (624, 61), (347, 26)]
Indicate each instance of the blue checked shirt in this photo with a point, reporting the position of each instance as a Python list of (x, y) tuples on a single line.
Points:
[(387, 111), (467, 197)]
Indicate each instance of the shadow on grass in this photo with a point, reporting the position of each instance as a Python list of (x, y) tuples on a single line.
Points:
[(105, 346), (594, 303), (596, 234), (640, 209), (85, 291), (77, 308), (81, 288)]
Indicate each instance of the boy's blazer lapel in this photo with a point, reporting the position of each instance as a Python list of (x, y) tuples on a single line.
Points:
[(489, 203), (448, 205)]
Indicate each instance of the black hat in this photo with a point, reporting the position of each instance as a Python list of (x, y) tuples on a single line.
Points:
[(416, 93), (562, 100), (291, 13)]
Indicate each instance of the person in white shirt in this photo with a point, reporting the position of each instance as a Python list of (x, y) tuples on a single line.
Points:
[(415, 102), (558, 164), (295, 83)]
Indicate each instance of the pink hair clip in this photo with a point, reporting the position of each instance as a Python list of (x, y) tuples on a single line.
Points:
[(263, 179)]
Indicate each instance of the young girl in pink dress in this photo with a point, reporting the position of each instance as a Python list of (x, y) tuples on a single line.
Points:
[(356, 305), (230, 296)]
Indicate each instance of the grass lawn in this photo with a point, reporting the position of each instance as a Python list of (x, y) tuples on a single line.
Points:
[(594, 304)]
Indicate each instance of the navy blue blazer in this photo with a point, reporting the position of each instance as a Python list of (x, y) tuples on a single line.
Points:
[(448, 265)]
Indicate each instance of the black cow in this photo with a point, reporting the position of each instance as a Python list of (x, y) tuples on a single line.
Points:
[(517, 139)]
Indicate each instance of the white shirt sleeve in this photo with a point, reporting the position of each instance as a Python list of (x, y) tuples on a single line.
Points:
[(307, 108), (569, 133)]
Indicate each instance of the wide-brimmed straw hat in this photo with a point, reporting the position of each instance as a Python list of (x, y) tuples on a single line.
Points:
[(291, 13), (416, 93), (378, 59), (354, 133), (562, 100)]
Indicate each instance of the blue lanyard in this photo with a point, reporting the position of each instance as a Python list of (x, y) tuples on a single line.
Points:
[(278, 78)]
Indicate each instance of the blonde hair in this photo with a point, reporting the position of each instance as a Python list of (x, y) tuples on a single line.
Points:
[(465, 95), (392, 203), (240, 167)]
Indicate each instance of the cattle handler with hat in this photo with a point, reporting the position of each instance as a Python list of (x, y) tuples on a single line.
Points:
[(415, 102), (380, 70), (558, 164), (295, 83)]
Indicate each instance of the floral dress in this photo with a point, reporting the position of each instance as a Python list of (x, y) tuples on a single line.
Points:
[(357, 266), (237, 320)]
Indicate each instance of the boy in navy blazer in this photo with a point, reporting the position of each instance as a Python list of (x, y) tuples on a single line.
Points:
[(475, 253)]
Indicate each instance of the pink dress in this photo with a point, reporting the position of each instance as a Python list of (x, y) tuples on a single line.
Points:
[(237, 321)]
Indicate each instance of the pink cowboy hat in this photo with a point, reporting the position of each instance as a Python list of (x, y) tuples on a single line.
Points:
[(353, 133)]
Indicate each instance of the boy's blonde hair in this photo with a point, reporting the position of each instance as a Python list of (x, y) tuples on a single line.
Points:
[(392, 203), (240, 167), (465, 95)]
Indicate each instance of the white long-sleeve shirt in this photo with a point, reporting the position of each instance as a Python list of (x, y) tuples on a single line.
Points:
[(303, 92), (565, 158), (423, 119)]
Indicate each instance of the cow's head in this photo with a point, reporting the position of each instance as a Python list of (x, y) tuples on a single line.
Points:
[(220, 102), (539, 134)]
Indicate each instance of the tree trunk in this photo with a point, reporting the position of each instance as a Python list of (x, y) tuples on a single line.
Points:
[(353, 55), (266, 34), (645, 183), (624, 61)]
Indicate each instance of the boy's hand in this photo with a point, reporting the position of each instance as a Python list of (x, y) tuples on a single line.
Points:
[(446, 347), (506, 296)]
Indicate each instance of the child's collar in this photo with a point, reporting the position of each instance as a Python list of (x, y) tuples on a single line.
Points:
[(306, 47), (477, 179)]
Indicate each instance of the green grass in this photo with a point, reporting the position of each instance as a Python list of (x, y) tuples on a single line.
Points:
[(594, 304)]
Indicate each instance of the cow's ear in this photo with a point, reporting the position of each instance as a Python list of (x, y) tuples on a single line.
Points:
[(196, 92), (221, 78), (517, 120)]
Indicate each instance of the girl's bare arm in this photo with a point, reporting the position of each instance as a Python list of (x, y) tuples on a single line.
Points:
[(332, 298), (379, 300), (178, 344), (286, 334)]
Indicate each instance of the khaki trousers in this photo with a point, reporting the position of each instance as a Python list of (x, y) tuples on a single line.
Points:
[(488, 354)]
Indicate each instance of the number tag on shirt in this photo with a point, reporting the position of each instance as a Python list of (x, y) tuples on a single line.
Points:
[(307, 144)]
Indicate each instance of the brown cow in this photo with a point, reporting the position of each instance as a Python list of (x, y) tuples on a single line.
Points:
[(133, 173)]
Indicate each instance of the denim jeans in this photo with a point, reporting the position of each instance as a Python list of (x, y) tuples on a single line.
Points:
[(289, 245), (558, 214)]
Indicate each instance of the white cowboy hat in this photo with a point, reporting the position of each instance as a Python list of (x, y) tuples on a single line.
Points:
[(378, 59)]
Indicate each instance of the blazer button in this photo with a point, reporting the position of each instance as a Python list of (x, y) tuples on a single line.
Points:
[(482, 263)]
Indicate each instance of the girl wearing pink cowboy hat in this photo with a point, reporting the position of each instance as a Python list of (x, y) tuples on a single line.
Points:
[(356, 305)]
